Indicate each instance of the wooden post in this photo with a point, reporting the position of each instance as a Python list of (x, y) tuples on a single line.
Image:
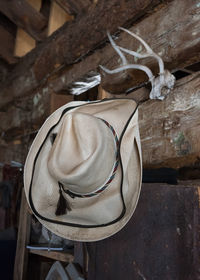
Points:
[(21, 258)]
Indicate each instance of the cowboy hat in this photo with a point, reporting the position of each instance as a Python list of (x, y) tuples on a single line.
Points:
[(83, 172)]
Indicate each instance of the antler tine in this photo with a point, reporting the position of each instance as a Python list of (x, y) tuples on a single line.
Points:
[(147, 47), (139, 55), (150, 52), (161, 85), (116, 48), (129, 66)]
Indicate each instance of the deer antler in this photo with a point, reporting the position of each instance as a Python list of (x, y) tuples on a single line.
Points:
[(161, 85)]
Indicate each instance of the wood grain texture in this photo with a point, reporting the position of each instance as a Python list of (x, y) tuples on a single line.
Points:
[(159, 242), (25, 116), (58, 256), (175, 38), (170, 129), (25, 16), (70, 44), (21, 258)]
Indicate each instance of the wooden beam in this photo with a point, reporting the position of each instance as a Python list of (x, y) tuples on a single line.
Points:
[(175, 38), (24, 43), (7, 46), (25, 16), (26, 117), (71, 43), (75, 8), (169, 129)]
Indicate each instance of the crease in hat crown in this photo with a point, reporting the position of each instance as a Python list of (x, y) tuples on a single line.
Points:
[(83, 154)]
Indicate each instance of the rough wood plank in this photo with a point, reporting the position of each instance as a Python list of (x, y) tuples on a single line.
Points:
[(170, 130), (174, 37), (21, 258), (70, 43), (24, 118), (59, 256), (25, 16), (159, 242)]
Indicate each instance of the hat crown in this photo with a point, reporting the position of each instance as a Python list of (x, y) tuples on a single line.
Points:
[(83, 154)]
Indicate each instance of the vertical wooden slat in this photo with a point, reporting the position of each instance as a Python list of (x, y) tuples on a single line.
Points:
[(21, 258)]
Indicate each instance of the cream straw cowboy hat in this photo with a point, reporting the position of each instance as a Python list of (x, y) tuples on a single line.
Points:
[(83, 172)]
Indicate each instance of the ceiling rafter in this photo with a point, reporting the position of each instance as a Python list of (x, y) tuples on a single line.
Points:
[(71, 42), (25, 16)]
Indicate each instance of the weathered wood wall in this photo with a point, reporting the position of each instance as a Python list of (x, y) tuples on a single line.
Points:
[(71, 43), (159, 242), (49, 66), (175, 38), (25, 16), (169, 129)]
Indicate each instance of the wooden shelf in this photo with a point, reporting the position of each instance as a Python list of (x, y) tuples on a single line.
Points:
[(58, 256)]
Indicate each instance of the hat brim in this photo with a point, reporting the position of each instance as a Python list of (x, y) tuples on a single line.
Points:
[(93, 212)]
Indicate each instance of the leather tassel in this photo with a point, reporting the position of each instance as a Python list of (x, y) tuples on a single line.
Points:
[(62, 205)]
